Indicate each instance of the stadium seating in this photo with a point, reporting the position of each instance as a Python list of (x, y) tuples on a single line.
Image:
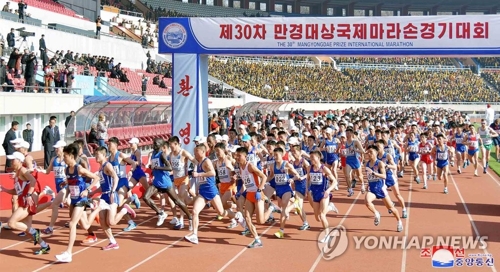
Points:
[(146, 134), (489, 62), (493, 77), (202, 10), (51, 6), (327, 84), (399, 61)]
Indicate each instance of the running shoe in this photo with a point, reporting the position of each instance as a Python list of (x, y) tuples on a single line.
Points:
[(245, 232), (233, 224), (174, 221), (280, 234), (111, 246), (255, 244), (130, 227), (305, 226), (353, 183), (42, 250), (376, 221), (404, 214), (64, 257), (446, 190), (179, 226), (48, 231), (161, 219), (400, 226), (350, 192), (6, 226), (136, 201), (193, 239), (297, 207), (240, 219), (90, 239), (22, 234), (130, 211), (332, 208)]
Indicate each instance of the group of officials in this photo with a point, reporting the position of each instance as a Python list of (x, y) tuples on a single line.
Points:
[(50, 136)]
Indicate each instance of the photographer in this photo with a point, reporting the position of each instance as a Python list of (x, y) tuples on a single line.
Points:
[(144, 84), (29, 72)]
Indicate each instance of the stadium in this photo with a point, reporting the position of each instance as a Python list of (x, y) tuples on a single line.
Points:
[(327, 119)]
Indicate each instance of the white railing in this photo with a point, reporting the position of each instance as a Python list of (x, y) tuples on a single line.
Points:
[(397, 66), (288, 62)]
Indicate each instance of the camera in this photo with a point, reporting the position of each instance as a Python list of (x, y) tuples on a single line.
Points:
[(25, 34)]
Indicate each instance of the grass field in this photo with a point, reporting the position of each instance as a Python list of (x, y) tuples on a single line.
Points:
[(494, 165)]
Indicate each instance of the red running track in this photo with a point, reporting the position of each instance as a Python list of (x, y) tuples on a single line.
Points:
[(470, 209)]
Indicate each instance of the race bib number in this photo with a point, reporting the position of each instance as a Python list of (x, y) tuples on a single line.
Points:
[(155, 162), (330, 148), (248, 182), (19, 188), (223, 172), (316, 178), (176, 164), (202, 180), (74, 191), (459, 140), (59, 172), (280, 179), (413, 148), (442, 156)]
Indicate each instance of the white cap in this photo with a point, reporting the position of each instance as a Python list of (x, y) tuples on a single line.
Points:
[(225, 138), (294, 128), (329, 130), (242, 126), (16, 156), (293, 141), (22, 144), (272, 126), (307, 134), (60, 143), (378, 124), (436, 123), (255, 125), (134, 141), (342, 135), (17, 141), (384, 126), (307, 121), (199, 139), (218, 138), (233, 148)]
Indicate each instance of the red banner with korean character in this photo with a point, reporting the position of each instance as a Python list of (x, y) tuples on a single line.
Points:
[(184, 99)]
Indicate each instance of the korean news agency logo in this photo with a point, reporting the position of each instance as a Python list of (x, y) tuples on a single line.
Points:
[(444, 251), (443, 256), (174, 35), (333, 242)]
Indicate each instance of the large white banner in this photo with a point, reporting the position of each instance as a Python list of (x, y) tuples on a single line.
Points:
[(382, 36), (184, 99), (348, 32)]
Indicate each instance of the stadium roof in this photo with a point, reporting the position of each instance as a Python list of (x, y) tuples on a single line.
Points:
[(413, 5)]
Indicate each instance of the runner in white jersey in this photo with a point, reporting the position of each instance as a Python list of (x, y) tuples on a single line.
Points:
[(179, 159), (487, 134)]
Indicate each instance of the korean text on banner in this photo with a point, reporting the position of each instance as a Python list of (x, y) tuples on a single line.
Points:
[(184, 98)]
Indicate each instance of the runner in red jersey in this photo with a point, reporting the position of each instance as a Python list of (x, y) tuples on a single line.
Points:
[(426, 161), (24, 188)]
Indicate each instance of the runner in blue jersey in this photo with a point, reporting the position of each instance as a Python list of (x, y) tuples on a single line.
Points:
[(330, 148), (281, 171), (57, 165), (461, 149), (353, 151), (207, 193), (301, 165), (78, 193), (376, 175), (161, 182), (413, 156), (320, 183), (370, 138), (440, 153), (391, 180)]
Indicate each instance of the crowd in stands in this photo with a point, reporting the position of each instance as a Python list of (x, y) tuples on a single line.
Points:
[(278, 82), (218, 90), (489, 62), (398, 61), (493, 77)]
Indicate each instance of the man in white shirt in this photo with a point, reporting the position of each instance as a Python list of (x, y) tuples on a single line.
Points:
[(490, 114)]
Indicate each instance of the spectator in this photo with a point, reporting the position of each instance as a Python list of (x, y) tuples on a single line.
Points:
[(3, 72), (102, 130), (11, 39), (490, 114), (144, 84), (50, 136), (22, 7), (29, 72), (98, 23), (43, 51), (68, 118), (6, 7), (93, 135), (7, 144), (28, 135)]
